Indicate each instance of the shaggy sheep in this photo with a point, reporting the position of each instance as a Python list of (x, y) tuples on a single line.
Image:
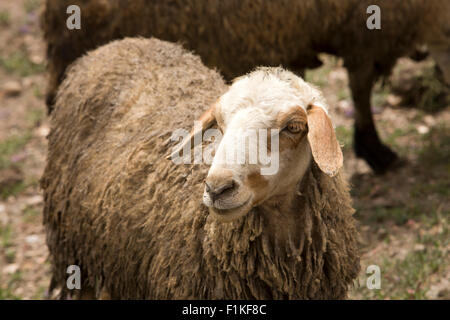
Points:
[(237, 35), (134, 221)]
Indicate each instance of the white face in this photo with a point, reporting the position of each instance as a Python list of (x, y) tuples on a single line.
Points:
[(256, 104)]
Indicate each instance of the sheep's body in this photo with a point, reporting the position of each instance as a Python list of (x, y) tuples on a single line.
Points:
[(235, 36), (134, 221)]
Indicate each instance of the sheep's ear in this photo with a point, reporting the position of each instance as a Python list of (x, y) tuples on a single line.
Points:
[(207, 120), (324, 145)]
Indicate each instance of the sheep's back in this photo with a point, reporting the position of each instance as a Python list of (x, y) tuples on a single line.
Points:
[(108, 187)]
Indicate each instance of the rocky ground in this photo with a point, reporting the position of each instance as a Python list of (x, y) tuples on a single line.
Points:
[(403, 216)]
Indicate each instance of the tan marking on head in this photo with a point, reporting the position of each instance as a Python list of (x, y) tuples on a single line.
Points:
[(218, 114), (294, 113), (207, 117), (258, 184)]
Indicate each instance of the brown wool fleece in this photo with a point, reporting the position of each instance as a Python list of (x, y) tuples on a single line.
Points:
[(134, 221)]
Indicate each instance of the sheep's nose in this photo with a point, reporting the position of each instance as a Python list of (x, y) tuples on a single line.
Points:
[(218, 186)]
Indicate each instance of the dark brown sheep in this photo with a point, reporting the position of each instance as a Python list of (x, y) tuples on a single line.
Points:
[(237, 35), (134, 221)]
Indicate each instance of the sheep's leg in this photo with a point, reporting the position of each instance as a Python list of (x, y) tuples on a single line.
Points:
[(367, 144), (87, 293)]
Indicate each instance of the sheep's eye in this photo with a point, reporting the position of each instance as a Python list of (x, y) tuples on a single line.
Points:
[(294, 126)]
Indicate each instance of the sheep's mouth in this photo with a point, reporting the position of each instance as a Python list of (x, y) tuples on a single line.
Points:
[(232, 214)]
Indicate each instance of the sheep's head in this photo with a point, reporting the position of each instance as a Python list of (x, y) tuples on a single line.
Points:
[(274, 107)]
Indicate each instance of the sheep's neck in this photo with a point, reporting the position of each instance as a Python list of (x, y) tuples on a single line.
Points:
[(289, 238), (286, 222), (279, 235), (288, 208)]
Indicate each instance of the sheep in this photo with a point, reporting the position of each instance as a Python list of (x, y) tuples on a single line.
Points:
[(237, 35), (140, 226)]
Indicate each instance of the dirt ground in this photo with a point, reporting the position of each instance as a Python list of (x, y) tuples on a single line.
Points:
[(403, 216)]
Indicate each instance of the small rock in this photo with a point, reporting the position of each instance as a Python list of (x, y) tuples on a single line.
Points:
[(32, 239), (37, 58), (419, 247), (393, 99), (343, 105), (43, 131), (423, 129), (34, 200), (10, 268), (11, 88)]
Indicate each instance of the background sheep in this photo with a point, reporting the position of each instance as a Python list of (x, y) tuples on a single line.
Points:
[(134, 222), (235, 36)]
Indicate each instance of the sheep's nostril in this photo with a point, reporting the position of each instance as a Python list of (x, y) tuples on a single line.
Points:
[(217, 191)]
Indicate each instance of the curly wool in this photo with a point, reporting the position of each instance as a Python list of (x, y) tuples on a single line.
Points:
[(134, 222)]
